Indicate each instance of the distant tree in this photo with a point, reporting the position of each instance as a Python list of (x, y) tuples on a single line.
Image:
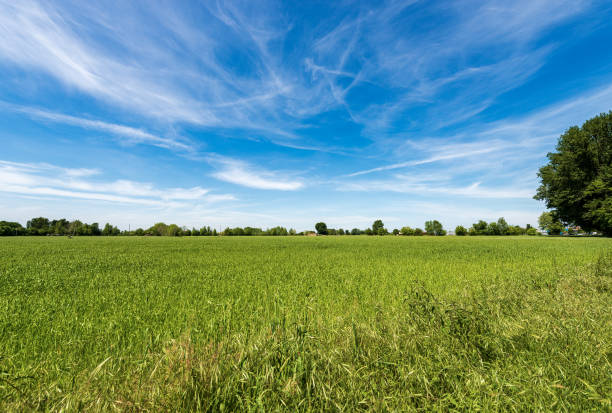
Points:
[(396, 231), (434, 228), (577, 181), (340, 231), (418, 231), (356, 231), (158, 229), (76, 227), (550, 223), (11, 228), (139, 232), (492, 229), (95, 229), (532, 231), (110, 230), (277, 231), (292, 231), (59, 226), (502, 226), (377, 227), (173, 230), (479, 228), (321, 228), (516, 230), (460, 231), (38, 226), (406, 231)]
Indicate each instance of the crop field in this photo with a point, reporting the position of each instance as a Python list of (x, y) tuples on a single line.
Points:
[(305, 323)]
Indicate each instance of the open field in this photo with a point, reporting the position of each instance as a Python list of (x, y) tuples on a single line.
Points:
[(300, 323)]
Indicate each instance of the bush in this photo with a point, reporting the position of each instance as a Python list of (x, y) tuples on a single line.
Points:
[(460, 230), (407, 231)]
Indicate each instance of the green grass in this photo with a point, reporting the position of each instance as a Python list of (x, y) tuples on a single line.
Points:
[(300, 323)]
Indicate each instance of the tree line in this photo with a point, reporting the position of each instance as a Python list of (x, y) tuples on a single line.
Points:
[(433, 228), (44, 226)]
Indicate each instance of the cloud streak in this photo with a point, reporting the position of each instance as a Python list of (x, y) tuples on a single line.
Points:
[(240, 173), (162, 65), (127, 134), (50, 180)]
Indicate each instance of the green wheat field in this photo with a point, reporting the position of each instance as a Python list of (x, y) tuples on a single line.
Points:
[(305, 323)]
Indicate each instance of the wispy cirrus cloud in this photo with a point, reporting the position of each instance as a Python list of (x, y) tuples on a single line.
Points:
[(240, 173), (42, 179), (425, 185), (164, 65), (126, 134)]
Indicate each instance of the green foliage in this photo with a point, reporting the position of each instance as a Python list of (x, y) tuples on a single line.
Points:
[(11, 228), (407, 231), (577, 181), (38, 223), (321, 228), (434, 228), (550, 223), (110, 230), (500, 227), (460, 230), (378, 228), (479, 228), (305, 324)]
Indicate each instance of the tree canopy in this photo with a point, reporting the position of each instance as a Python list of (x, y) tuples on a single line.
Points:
[(321, 228), (576, 184), (434, 228)]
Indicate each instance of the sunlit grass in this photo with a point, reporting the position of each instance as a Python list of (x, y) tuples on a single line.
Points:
[(296, 323)]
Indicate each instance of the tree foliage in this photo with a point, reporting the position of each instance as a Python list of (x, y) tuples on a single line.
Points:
[(321, 228), (460, 230), (550, 223), (434, 228), (577, 181), (378, 228)]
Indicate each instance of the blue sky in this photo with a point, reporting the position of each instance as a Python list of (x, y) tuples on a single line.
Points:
[(287, 113)]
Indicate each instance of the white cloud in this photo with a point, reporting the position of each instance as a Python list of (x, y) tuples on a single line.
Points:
[(406, 185), (443, 152), (240, 173), (162, 65), (126, 133), (50, 180)]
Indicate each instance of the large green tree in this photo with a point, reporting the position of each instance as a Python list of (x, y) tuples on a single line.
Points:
[(577, 181), (378, 228), (434, 228), (321, 228)]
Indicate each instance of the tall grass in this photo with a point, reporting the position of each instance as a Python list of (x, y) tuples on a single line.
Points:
[(337, 324)]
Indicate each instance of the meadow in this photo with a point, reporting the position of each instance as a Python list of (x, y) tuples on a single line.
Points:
[(305, 323)]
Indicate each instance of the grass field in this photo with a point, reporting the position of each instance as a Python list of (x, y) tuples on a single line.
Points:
[(301, 323)]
